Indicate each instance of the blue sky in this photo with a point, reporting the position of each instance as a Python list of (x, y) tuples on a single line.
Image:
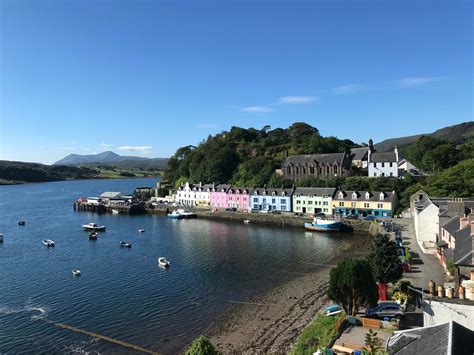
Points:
[(146, 77)]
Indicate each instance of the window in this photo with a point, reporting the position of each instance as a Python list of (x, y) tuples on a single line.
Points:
[(375, 174), (383, 165), (310, 202), (264, 200), (273, 200), (283, 208), (391, 174), (283, 201), (298, 202), (354, 196), (255, 199), (325, 203), (353, 204), (380, 205), (311, 170), (366, 205), (341, 204), (390, 164)]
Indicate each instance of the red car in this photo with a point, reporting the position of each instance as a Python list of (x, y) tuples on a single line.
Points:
[(405, 266)]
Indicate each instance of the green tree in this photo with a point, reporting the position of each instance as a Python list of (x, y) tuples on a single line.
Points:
[(373, 343), (457, 181), (352, 285), (201, 346), (384, 260)]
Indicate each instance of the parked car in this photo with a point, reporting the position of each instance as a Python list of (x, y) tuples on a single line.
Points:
[(389, 309), (333, 310), (369, 218), (231, 209), (263, 211)]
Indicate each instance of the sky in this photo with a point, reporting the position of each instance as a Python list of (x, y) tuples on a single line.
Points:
[(144, 77)]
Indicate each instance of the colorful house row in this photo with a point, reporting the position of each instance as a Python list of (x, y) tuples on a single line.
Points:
[(305, 200)]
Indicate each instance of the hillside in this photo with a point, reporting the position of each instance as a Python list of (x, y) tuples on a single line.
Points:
[(457, 134), (18, 172)]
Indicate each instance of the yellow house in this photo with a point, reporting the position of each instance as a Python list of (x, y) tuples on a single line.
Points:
[(377, 204), (313, 200)]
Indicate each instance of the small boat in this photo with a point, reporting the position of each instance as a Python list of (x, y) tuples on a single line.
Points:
[(76, 272), (181, 214), (93, 227), (323, 225), (93, 236), (1, 238), (125, 245), (141, 231), (246, 221), (115, 212), (21, 223), (48, 242), (163, 262)]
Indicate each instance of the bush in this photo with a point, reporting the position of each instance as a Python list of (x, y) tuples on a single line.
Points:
[(201, 346)]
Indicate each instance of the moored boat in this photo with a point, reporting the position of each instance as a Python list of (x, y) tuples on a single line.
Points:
[(1, 238), (93, 236), (181, 214), (93, 227), (76, 272), (48, 242), (163, 262), (323, 225), (125, 245), (141, 231), (115, 212), (246, 221), (21, 223)]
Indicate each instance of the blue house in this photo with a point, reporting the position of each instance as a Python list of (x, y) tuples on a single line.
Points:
[(271, 199)]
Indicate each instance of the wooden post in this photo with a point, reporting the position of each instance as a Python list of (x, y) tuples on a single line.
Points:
[(440, 291), (450, 292), (462, 293), (432, 286)]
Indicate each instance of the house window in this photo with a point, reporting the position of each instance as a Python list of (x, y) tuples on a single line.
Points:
[(283, 201), (255, 199), (391, 174), (341, 204), (383, 174), (298, 202), (311, 170), (383, 165), (354, 196), (310, 202), (380, 205), (273, 200), (264, 200), (375, 174), (325, 203), (353, 204), (366, 205)]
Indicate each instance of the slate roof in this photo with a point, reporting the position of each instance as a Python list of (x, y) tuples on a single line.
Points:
[(463, 249), (270, 191), (359, 153), (442, 339), (373, 196), (318, 191), (204, 187), (452, 225), (386, 157), (224, 187), (234, 189), (305, 159)]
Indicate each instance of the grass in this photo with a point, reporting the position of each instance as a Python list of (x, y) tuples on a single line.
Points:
[(316, 335), (114, 173)]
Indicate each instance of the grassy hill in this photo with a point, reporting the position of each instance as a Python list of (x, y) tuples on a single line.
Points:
[(457, 134)]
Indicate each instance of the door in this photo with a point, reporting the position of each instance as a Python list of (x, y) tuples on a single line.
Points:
[(304, 209)]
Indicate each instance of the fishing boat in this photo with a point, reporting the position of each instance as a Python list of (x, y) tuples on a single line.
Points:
[(93, 227), (163, 262), (323, 225), (48, 242), (115, 212), (125, 245), (1, 238), (246, 221), (21, 223), (141, 231), (93, 236), (76, 272)]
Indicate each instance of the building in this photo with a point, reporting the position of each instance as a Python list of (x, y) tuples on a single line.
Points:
[(313, 200), (297, 167), (383, 164), (441, 339), (238, 198), (218, 196), (272, 199), (359, 157), (405, 165), (376, 204), (203, 194), (185, 195)]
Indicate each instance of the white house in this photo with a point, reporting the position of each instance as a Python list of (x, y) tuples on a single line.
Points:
[(185, 195), (203, 194), (383, 164), (405, 165)]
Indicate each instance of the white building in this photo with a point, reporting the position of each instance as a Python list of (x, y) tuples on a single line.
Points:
[(203, 194), (383, 164), (185, 195), (405, 165), (313, 200)]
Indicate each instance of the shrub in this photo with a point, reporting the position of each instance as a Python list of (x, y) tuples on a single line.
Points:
[(201, 346)]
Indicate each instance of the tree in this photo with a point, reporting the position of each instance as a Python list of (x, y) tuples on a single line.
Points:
[(352, 285), (457, 181), (385, 263), (373, 343), (201, 346)]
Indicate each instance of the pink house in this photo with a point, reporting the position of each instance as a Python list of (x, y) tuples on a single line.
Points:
[(238, 198), (218, 196)]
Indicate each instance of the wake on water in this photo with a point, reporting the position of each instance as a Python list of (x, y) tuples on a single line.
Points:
[(43, 311)]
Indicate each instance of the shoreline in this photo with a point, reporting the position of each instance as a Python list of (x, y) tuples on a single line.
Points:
[(271, 322)]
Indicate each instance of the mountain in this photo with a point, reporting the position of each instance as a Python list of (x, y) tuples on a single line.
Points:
[(105, 157), (457, 134)]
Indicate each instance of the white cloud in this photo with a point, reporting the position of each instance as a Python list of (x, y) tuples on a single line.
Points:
[(144, 148), (418, 80), (258, 109), (296, 100), (104, 146), (347, 89)]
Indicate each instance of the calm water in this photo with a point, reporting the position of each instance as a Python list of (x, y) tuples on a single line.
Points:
[(122, 293)]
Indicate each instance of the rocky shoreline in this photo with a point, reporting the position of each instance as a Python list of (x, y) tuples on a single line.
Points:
[(272, 322)]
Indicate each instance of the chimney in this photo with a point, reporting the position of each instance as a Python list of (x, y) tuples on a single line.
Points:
[(396, 153)]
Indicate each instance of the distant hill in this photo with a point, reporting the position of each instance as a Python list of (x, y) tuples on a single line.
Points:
[(458, 134), (112, 159), (15, 171)]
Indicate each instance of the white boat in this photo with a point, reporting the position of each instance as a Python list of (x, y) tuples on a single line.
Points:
[(246, 221), (93, 236), (76, 272), (115, 212), (125, 245), (93, 227), (141, 231), (181, 214), (48, 242), (163, 262), (1, 238)]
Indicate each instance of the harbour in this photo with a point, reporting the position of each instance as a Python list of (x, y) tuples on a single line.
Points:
[(123, 293)]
